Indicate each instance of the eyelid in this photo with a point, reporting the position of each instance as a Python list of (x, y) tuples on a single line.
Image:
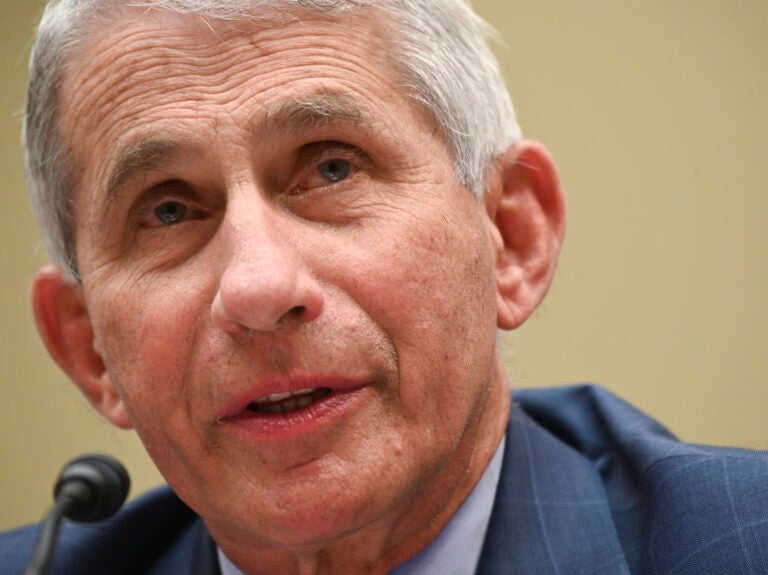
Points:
[(165, 192), (328, 151)]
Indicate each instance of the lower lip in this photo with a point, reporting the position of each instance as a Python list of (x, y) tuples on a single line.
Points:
[(332, 407)]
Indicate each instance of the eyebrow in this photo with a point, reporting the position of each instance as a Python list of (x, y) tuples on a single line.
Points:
[(317, 111), (292, 118), (149, 154)]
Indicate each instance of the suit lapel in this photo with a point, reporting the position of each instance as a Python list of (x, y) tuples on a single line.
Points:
[(551, 514), (193, 553)]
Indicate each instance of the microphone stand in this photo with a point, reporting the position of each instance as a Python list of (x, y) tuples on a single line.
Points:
[(63, 505), (90, 488)]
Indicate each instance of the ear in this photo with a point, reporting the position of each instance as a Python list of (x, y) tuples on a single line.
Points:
[(526, 208), (64, 324)]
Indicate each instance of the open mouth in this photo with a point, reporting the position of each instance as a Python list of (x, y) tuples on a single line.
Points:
[(277, 403)]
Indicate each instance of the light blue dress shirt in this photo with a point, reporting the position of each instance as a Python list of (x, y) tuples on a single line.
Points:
[(456, 551)]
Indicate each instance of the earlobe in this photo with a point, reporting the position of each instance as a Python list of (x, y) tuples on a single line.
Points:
[(525, 204), (64, 325)]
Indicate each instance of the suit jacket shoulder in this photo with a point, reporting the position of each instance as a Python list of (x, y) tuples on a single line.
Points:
[(592, 485)]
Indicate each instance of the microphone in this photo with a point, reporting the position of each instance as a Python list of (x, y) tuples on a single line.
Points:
[(89, 488)]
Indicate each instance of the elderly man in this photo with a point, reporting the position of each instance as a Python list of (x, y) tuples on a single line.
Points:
[(285, 233)]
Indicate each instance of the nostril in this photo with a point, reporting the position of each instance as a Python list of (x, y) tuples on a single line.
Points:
[(298, 312)]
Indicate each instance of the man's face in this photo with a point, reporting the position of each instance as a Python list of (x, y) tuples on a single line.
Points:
[(265, 212)]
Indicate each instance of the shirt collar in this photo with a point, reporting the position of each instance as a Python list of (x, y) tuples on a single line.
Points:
[(456, 551)]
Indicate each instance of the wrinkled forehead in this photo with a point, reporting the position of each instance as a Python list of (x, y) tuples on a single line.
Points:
[(116, 69), (109, 23), (225, 19), (126, 35), (163, 77)]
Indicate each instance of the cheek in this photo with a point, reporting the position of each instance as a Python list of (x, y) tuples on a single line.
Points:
[(439, 282), (433, 293), (146, 337)]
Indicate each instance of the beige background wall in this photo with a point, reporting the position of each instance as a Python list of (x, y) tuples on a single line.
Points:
[(657, 114)]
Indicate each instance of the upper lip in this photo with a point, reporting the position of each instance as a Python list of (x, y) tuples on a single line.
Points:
[(241, 400)]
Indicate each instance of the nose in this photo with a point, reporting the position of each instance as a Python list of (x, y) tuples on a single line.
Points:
[(265, 283)]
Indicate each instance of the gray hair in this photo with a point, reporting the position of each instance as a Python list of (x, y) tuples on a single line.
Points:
[(441, 51)]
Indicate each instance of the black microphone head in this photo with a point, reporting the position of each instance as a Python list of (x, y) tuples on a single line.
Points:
[(96, 484)]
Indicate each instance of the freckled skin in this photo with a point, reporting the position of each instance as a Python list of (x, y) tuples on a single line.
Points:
[(393, 269)]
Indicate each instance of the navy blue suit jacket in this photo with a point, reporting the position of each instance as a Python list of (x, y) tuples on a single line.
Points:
[(588, 485)]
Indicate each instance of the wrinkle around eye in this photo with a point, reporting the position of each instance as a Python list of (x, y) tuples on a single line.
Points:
[(160, 247), (148, 242)]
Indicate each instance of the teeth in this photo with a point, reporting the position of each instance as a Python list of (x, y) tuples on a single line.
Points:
[(282, 396), (278, 396), (285, 402)]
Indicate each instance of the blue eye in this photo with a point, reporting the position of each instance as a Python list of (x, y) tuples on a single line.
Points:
[(170, 213), (334, 170)]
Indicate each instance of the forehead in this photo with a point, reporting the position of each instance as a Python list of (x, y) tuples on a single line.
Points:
[(158, 71)]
